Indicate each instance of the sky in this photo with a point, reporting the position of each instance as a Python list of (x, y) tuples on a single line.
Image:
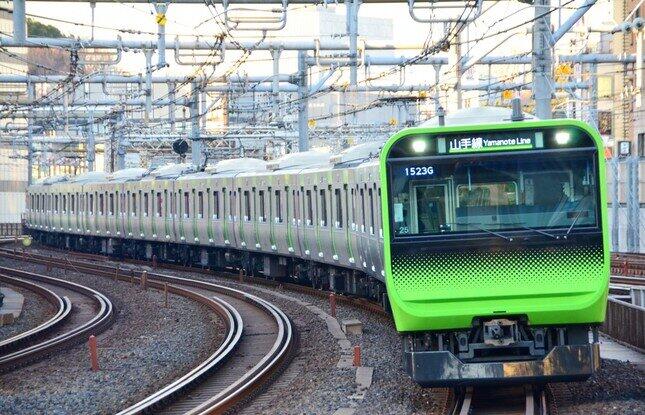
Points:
[(191, 20)]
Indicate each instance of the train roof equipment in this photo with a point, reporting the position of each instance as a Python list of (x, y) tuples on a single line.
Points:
[(302, 160)]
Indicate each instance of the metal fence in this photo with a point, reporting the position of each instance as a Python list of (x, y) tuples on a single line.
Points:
[(10, 229), (625, 322)]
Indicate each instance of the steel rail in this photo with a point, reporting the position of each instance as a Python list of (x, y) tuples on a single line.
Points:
[(235, 327), (63, 307), (524, 400), (234, 393), (101, 321)]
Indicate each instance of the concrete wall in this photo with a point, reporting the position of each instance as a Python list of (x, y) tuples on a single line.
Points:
[(13, 182)]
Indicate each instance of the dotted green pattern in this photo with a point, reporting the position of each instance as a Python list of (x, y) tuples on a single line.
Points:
[(459, 275)]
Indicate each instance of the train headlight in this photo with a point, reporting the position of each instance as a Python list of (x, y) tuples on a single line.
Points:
[(562, 137), (419, 146)]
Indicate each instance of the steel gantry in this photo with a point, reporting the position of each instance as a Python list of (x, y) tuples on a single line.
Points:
[(350, 52)]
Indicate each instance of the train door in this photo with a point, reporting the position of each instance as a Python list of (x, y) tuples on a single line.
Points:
[(363, 226)]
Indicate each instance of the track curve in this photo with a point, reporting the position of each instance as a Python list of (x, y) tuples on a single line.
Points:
[(95, 314)]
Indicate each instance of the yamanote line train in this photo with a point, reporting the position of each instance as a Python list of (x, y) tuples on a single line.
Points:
[(488, 241)]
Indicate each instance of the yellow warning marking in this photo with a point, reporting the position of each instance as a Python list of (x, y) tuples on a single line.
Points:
[(161, 19)]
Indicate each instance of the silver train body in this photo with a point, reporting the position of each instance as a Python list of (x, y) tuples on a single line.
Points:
[(312, 216)]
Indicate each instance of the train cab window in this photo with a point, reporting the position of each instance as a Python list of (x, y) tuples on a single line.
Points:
[(200, 205), (186, 205), (247, 205), (338, 201), (262, 212), (323, 207), (278, 206)]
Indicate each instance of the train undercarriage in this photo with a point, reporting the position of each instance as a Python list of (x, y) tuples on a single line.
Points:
[(493, 350)]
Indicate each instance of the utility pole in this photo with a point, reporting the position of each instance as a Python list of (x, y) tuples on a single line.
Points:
[(454, 60), (120, 143), (31, 94), (593, 94), (303, 103), (91, 150), (542, 60), (19, 21), (352, 32), (194, 115), (275, 84)]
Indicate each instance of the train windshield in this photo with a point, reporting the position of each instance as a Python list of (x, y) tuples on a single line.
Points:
[(541, 190)]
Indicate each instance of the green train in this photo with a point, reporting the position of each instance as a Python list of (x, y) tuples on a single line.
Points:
[(496, 250), (488, 241)]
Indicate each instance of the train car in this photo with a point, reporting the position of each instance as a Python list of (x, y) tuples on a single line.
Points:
[(488, 241), (496, 251)]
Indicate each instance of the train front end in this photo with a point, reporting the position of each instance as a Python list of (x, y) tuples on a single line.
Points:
[(496, 250)]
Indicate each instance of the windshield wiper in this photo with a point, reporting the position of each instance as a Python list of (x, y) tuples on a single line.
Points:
[(481, 228), (573, 223), (541, 232), (508, 238)]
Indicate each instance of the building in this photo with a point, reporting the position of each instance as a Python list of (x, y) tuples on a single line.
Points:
[(13, 162)]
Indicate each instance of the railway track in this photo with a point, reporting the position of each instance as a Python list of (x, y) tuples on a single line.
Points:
[(259, 342), (62, 305), (84, 312), (511, 400)]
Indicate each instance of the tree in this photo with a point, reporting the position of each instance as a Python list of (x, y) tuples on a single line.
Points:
[(37, 29)]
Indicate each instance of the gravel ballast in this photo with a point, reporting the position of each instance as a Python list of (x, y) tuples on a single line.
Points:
[(313, 384), (35, 311), (146, 348)]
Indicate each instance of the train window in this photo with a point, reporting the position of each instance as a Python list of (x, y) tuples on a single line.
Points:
[(353, 208), (323, 208), (134, 204), (200, 205), (91, 207), (232, 204), (278, 206), (56, 204), (111, 204), (146, 202), (165, 202), (159, 205), (186, 205), (294, 198), (262, 217), (363, 210), (371, 209), (216, 204), (247, 205), (64, 204), (310, 212), (101, 204), (380, 216), (339, 208)]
